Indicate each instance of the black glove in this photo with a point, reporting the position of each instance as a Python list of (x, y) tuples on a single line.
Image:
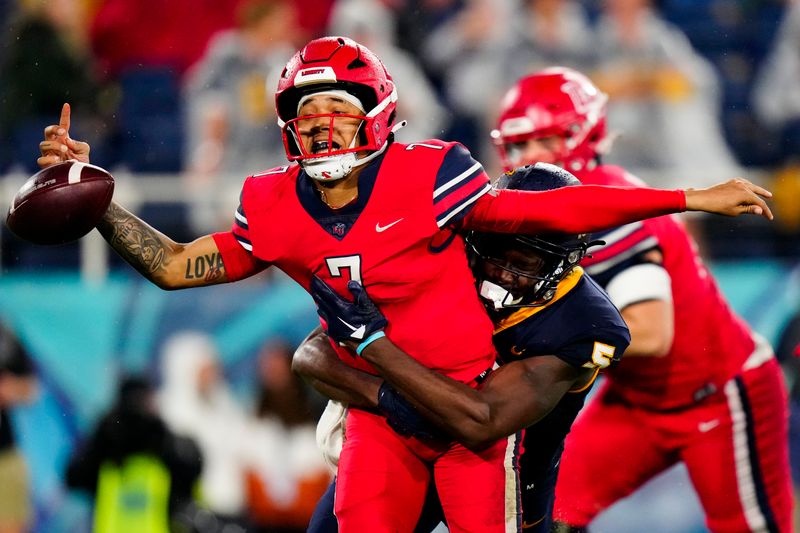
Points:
[(404, 417), (354, 321)]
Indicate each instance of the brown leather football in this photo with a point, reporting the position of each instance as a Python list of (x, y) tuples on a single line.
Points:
[(60, 203)]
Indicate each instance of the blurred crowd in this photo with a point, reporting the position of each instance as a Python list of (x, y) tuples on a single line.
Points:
[(189, 456), (700, 90)]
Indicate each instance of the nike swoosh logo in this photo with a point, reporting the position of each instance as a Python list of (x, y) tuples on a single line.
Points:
[(358, 332), (526, 525), (705, 427), (381, 229)]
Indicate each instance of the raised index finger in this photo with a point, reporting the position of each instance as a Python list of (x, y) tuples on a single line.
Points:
[(64, 120)]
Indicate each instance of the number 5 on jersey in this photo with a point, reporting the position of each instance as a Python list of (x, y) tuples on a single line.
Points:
[(602, 355)]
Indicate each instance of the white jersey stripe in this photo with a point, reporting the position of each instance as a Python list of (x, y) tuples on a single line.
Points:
[(246, 245), (512, 497), (619, 233), (241, 218), (453, 182), (741, 452), (602, 266), (469, 201)]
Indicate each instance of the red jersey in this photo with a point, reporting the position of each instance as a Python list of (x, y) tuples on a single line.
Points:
[(711, 343), (399, 238), (394, 239)]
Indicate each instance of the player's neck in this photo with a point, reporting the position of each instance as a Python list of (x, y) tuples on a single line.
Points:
[(339, 193)]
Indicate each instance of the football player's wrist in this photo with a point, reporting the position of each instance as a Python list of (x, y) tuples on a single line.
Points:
[(369, 340), (681, 197)]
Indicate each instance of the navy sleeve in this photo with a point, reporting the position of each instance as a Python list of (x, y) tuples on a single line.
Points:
[(460, 181), (595, 333)]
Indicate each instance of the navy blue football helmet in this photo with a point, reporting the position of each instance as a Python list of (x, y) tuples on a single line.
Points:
[(513, 270)]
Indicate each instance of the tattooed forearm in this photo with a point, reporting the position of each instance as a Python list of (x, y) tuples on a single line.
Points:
[(208, 267), (139, 244)]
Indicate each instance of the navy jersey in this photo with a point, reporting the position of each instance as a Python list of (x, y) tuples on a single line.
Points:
[(582, 327)]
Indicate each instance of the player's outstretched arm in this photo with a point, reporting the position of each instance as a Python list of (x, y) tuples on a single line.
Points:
[(596, 207), (316, 361), (514, 396), (166, 263)]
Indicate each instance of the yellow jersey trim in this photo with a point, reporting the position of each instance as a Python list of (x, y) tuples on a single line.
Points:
[(564, 286), (588, 383)]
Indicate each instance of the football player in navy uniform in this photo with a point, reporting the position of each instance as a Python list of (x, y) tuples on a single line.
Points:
[(555, 329)]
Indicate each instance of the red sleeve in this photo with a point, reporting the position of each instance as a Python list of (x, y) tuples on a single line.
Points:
[(581, 209), (239, 263)]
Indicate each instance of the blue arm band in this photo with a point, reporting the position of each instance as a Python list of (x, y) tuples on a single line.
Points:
[(369, 340)]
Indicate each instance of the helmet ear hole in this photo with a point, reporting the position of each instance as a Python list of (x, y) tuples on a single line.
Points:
[(356, 63)]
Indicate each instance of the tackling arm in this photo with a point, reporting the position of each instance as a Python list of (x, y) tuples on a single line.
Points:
[(316, 361), (514, 396), (168, 264)]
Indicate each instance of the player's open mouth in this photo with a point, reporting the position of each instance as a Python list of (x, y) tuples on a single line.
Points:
[(323, 146)]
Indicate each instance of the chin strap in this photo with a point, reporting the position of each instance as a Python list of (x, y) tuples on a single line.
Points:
[(399, 125), (348, 161)]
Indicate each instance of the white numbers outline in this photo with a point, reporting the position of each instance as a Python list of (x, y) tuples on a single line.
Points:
[(603, 354), (424, 145), (350, 262)]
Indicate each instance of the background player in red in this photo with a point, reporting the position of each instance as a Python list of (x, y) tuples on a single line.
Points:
[(696, 384), (360, 206)]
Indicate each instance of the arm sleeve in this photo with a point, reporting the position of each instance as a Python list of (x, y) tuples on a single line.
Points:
[(236, 248), (640, 283), (570, 209), (601, 350), (460, 182), (239, 263)]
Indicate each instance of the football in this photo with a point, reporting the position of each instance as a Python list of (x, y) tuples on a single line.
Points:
[(60, 203)]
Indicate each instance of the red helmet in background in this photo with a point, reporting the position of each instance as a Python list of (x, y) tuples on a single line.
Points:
[(557, 101), (336, 64)]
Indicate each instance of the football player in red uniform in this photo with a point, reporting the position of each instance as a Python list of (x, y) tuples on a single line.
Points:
[(356, 205), (696, 384)]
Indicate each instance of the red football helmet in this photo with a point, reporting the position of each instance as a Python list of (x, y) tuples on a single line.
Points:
[(336, 64), (557, 101)]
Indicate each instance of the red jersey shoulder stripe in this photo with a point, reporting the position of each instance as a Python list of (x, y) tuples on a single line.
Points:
[(621, 243), (460, 205), (460, 181)]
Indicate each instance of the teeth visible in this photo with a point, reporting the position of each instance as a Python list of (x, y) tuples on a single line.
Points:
[(323, 146), (319, 146)]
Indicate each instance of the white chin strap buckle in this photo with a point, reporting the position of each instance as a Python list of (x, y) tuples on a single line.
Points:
[(330, 168)]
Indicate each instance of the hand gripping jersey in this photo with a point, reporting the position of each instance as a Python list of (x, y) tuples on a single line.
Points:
[(582, 327), (702, 358), (394, 238)]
